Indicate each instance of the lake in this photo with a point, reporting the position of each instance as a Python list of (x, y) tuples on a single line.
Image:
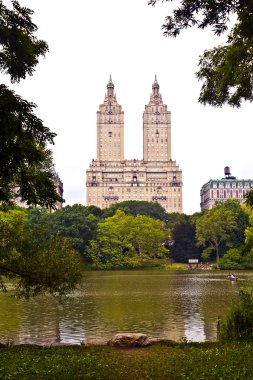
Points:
[(170, 305)]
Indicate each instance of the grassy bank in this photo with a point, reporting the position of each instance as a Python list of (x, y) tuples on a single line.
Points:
[(150, 264), (183, 361)]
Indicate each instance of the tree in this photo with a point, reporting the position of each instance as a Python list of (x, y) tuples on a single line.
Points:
[(214, 227), (249, 198), (37, 261), (241, 255), (123, 240), (77, 224), (148, 236), (112, 249), (183, 231), (241, 218), (227, 70), (26, 169), (151, 209)]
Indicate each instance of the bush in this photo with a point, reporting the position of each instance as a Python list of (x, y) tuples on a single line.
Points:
[(237, 258), (238, 325)]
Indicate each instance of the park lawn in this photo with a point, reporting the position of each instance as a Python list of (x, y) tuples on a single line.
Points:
[(160, 361)]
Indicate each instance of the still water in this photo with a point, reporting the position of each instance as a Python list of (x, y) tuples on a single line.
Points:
[(170, 305)]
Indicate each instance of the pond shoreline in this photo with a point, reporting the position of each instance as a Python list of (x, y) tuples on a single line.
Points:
[(95, 343)]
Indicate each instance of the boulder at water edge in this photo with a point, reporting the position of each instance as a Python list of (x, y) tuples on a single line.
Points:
[(129, 340)]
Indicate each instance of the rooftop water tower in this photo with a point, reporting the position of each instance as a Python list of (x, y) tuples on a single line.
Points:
[(227, 173)]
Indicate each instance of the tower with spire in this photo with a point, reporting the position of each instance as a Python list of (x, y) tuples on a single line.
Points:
[(156, 178), (156, 128), (110, 128)]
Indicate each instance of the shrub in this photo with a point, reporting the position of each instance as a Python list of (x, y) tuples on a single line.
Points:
[(238, 325), (237, 258)]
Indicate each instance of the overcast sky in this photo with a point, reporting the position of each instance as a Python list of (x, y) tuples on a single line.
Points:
[(88, 41)]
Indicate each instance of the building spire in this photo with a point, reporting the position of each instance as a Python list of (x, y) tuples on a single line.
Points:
[(110, 87), (110, 80), (155, 86)]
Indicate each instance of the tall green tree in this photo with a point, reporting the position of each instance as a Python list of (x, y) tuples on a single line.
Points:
[(148, 236), (214, 227), (26, 168), (240, 256), (124, 240), (241, 218), (227, 70), (112, 248), (183, 237)]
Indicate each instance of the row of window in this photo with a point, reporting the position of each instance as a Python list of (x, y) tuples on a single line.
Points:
[(93, 192), (228, 185)]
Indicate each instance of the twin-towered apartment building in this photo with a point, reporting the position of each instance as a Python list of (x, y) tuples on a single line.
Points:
[(111, 178)]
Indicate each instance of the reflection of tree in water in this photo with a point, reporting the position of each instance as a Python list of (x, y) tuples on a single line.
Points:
[(39, 322), (216, 301), (137, 302), (160, 304), (45, 320), (206, 297), (191, 294), (10, 317)]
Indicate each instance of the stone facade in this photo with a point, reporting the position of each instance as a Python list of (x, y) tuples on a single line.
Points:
[(219, 190), (111, 178)]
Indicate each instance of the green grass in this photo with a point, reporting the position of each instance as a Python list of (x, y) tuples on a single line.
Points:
[(148, 264), (182, 361)]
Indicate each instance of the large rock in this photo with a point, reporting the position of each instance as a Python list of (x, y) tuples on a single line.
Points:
[(129, 340)]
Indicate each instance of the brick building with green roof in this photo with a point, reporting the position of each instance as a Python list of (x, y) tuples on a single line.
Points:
[(219, 190)]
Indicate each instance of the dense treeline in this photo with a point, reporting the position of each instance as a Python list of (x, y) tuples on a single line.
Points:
[(32, 257), (127, 235)]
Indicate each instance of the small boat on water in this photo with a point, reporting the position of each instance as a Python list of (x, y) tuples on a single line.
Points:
[(232, 277)]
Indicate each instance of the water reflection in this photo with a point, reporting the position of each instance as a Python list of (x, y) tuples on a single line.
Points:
[(160, 304)]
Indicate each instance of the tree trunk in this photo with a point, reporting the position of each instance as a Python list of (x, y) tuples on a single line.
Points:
[(217, 255)]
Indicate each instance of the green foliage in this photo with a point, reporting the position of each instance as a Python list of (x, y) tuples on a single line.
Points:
[(215, 227), (26, 169), (249, 234), (240, 257), (226, 70), (20, 48), (241, 217), (134, 208), (183, 242), (77, 223), (237, 258), (208, 360), (201, 14), (238, 325), (123, 240), (37, 261), (249, 198)]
